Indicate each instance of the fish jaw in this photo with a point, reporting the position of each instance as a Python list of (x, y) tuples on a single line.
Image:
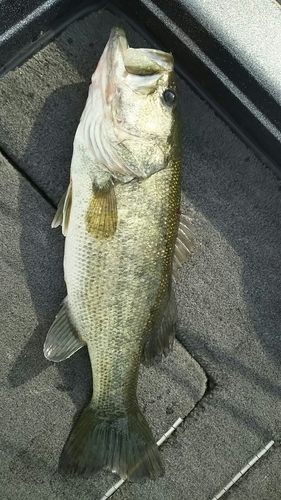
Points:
[(95, 134), (111, 67)]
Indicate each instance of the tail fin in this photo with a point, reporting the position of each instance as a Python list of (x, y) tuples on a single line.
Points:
[(123, 443)]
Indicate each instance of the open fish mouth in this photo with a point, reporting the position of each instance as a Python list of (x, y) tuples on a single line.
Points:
[(137, 61), (119, 61)]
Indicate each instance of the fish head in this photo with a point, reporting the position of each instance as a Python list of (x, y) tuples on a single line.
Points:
[(131, 116)]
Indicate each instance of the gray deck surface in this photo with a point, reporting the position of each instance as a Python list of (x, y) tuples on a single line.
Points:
[(228, 297)]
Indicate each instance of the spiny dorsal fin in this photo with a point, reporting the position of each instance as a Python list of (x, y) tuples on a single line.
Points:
[(101, 216), (63, 211), (62, 339), (161, 339), (184, 243)]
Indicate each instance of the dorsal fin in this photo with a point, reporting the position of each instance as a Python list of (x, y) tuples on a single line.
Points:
[(184, 243), (161, 339)]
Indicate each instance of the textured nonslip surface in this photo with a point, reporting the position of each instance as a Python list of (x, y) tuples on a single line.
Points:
[(250, 31), (228, 293)]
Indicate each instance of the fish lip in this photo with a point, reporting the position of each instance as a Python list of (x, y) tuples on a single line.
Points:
[(116, 47), (118, 40), (110, 69)]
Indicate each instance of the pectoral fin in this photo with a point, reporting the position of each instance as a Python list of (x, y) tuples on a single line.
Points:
[(184, 243), (101, 216), (162, 337), (62, 339), (63, 210)]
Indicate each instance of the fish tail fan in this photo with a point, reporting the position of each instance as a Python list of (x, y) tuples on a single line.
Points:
[(123, 443)]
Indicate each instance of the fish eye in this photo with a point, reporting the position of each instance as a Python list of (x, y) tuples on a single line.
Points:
[(169, 97)]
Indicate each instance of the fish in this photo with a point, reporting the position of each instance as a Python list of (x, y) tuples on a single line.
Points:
[(125, 239)]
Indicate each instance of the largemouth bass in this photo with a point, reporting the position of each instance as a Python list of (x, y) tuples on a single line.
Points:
[(124, 238)]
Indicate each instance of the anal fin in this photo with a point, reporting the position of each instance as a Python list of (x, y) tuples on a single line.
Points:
[(162, 337), (62, 339)]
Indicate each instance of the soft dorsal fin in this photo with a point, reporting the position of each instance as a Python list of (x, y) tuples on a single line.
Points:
[(162, 337), (62, 339), (101, 216), (184, 243), (63, 210)]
